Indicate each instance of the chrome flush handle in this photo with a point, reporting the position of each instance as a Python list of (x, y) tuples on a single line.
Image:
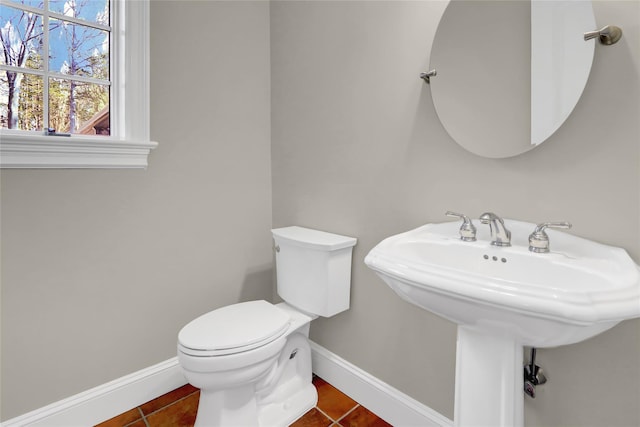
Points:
[(467, 229), (539, 239)]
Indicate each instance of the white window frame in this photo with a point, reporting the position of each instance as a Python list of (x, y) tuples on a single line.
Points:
[(129, 113)]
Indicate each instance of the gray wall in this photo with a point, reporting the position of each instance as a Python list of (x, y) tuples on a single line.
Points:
[(101, 268), (357, 149)]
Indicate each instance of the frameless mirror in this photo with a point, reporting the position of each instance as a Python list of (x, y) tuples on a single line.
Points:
[(509, 73)]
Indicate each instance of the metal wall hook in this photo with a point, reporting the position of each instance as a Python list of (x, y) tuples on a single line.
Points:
[(427, 76), (607, 36)]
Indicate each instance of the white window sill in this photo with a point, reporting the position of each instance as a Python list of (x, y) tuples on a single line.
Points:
[(58, 152)]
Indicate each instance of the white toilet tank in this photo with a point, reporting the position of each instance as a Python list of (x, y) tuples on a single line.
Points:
[(313, 269)]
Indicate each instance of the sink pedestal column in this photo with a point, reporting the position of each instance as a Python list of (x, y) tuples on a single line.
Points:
[(489, 380)]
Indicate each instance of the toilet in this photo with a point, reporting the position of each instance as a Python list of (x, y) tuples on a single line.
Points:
[(252, 360)]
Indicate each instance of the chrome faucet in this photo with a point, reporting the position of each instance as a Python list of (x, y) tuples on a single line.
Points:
[(500, 236)]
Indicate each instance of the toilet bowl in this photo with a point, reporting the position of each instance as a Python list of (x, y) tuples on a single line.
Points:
[(252, 360), (262, 382)]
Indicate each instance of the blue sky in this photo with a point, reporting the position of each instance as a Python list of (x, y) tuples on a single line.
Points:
[(89, 40)]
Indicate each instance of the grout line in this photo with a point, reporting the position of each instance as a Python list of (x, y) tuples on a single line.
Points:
[(325, 414), (169, 404), (144, 419), (348, 412), (139, 419)]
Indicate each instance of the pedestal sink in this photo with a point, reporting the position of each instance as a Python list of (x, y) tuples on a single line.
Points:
[(505, 298)]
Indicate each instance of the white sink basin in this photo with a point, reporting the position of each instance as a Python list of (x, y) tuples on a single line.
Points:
[(578, 290), (504, 298)]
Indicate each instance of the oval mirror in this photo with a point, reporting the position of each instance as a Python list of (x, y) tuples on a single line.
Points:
[(509, 73)]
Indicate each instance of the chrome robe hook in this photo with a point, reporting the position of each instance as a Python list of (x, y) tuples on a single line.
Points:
[(427, 76), (607, 36)]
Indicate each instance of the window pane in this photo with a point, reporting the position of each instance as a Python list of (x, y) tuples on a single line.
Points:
[(78, 107), (21, 101), (22, 38), (78, 50), (90, 10), (33, 3)]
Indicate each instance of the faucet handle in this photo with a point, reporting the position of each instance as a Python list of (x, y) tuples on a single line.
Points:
[(539, 240), (467, 229)]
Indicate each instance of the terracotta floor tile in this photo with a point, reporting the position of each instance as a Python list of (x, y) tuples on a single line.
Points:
[(332, 401), (181, 413), (122, 419), (362, 417), (179, 407), (168, 398), (313, 418)]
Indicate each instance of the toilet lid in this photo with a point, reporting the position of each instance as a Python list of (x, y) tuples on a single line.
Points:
[(235, 328)]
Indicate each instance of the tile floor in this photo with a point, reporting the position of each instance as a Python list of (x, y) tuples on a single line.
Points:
[(178, 409)]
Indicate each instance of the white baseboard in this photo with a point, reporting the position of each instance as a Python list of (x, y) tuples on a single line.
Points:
[(113, 398), (388, 403), (107, 400)]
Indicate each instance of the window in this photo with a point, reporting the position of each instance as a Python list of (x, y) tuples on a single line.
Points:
[(62, 80)]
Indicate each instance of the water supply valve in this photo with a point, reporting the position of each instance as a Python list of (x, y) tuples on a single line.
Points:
[(533, 375)]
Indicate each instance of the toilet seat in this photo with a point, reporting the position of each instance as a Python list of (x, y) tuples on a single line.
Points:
[(233, 329)]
